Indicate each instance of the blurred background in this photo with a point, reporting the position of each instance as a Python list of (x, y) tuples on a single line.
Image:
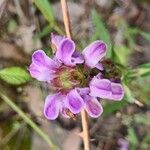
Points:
[(25, 26)]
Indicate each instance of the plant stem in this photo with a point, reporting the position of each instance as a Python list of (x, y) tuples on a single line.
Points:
[(66, 18), (85, 133), (28, 121)]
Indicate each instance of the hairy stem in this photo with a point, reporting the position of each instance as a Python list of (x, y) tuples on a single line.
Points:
[(85, 133)]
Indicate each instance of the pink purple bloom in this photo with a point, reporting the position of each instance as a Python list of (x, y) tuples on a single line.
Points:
[(75, 78), (123, 144)]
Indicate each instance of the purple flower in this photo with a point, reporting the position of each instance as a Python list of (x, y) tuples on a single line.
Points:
[(70, 75), (94, 53), (104, 88), (123, 144)]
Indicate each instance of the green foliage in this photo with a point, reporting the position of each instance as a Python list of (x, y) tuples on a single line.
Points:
[(140, 89), (48, 51), (101, 32), (128, 94), (134, 78), (142, 119), (19, 136), (112, 107), (145, 145), (132, 138), (141, 71), (145, 35), (132, 32), (12, 26), (120, 55), (29, 121), (45, 31), (130, 35), (46, 9), (14, 75)]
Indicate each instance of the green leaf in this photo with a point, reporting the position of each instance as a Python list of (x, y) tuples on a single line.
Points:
[(29, 121), (45, 7), (130, 35), (145, 35), (112, 107), (101, 31), (48, 51), (45, 31), (145, 145), (141, 71), (128, 94), (14, 75), (120, 55), (132, 138)]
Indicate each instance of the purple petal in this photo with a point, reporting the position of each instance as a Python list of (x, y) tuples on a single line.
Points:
[(51, 107), (123, 143), (94, 53), (99, 76), (83, 91), (100, 88), (74, 101), (99, 66), (63, 107), (77, 58), (65, 51), (117, 91), (41, 73), (93, 107), (42, 67), (41, 59), (56, 39), (104, 88)]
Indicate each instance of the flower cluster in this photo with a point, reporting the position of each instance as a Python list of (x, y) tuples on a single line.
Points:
[(76, 78)]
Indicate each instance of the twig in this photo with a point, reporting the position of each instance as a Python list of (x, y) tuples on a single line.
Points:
[(137, 102), (85, 133), (66, 18)]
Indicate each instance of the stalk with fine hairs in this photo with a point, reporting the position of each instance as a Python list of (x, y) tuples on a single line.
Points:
[(84, 118)]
